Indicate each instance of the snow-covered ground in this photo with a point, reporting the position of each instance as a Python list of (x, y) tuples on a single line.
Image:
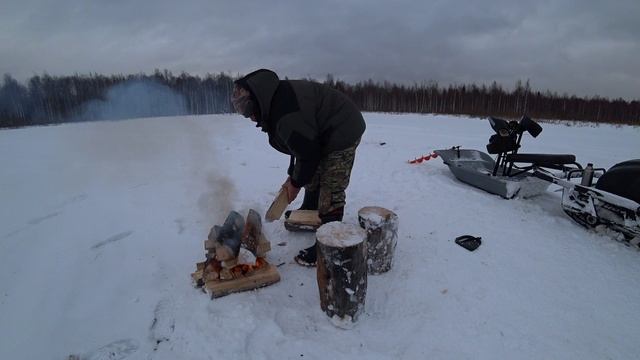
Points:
[(102, 223)]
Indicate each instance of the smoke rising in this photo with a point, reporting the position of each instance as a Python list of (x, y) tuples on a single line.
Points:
[(217, 200), (135, 99)]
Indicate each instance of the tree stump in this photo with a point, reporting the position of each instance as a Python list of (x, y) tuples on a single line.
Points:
[(382, 236), (342, 272)]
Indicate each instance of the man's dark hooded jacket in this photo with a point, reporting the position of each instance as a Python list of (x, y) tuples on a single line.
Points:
[(304, 119)]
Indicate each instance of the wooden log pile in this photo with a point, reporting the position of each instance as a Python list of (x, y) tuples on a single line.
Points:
[(303, 220), (222, 273)]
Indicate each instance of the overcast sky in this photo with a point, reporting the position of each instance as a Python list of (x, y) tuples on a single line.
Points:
[(582, 47)]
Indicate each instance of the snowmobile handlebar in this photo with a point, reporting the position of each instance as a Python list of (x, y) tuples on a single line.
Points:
[(514, 128)]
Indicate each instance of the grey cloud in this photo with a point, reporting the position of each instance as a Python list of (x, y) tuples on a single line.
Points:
[(583, 47)]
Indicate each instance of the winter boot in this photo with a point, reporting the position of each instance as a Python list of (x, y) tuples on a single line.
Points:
[(310, 202), (307, 257)]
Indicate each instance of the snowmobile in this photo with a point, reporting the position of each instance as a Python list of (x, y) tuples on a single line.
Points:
[(593, 197)]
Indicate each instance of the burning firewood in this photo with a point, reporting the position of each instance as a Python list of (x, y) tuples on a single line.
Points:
[(222, 272), (226, 239), (252, 237)]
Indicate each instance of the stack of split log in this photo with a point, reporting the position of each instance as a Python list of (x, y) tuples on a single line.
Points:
[(222, 272), (297, 220), (303, 220)]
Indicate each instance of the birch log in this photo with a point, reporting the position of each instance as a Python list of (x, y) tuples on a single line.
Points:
[(342, 272), (381, 226)]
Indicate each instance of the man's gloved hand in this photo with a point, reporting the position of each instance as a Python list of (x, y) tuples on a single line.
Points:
[(292, 191)]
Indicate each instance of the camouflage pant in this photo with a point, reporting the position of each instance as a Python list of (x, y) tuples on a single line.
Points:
[(332, 178)]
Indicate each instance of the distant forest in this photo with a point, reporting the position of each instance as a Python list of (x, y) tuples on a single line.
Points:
[(56, 99)]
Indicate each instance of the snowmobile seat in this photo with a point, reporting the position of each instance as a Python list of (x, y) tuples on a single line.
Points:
[(557, 159), (622, 179), (501, 144), (628, 163)]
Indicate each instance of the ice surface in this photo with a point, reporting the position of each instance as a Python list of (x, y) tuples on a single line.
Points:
[(102, 223)]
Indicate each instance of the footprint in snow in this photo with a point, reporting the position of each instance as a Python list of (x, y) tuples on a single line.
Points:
[(163, 324), (116, 350), (181, 226), (38, 220), (112, 239)]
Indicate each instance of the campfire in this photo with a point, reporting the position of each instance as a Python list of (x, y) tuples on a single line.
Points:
[(225, 271), (212, 270)]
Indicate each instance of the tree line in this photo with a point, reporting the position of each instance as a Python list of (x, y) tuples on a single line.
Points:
[(488, 101), (56, 99)]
